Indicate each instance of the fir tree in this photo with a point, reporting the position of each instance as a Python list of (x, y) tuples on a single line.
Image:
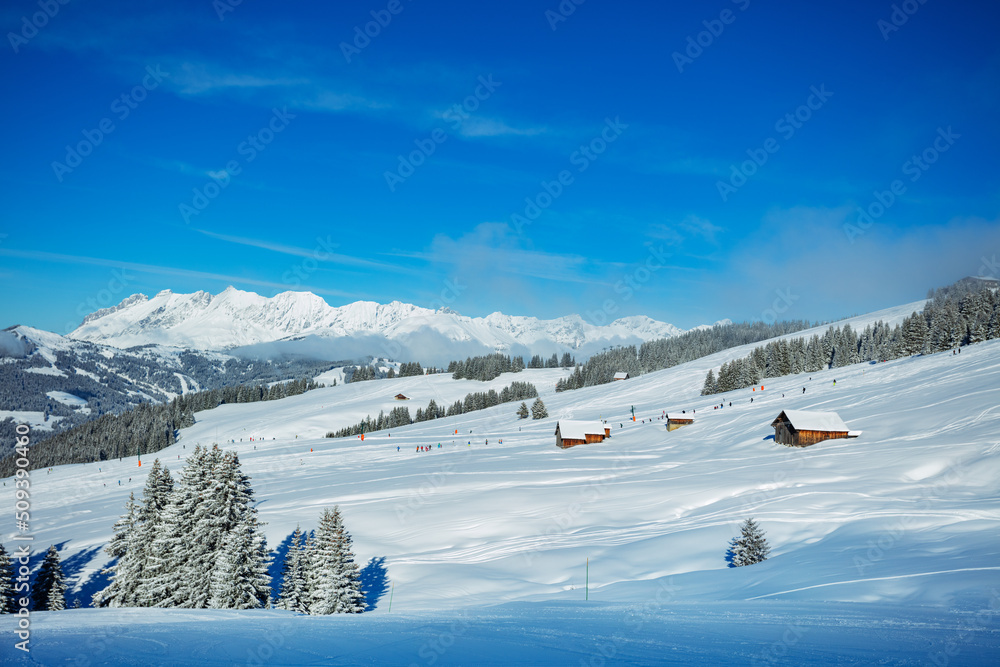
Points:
[(334, 577), (122, 531), (294, 587), (709, 387), (49, 591), (538, 410), (522, 411), (7, 596), (168, 580), (750, 547), (240, 579)]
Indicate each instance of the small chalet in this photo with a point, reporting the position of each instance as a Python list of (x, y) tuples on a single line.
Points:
[(621, 375), (571, 433), (801, 428), (677, 419), (401, 397)]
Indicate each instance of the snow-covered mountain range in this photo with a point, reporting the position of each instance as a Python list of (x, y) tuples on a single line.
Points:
[(235, 318)]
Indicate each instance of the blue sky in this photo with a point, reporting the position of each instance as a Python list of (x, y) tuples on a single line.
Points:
[(686, 161)]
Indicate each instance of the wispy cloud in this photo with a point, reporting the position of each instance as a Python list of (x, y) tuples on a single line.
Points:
[(321, 253), (494, 127), (60, 258), (691, 227)]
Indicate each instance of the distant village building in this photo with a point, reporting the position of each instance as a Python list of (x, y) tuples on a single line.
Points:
[(801, 428), (572, 433), (620, 376), (981, 281), (676, 420), (401, 397)]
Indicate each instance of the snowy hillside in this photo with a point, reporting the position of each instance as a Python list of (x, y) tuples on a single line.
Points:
[(904, 516), (53, 382), (235, 318)]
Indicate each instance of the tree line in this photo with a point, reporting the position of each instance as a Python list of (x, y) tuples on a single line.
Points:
[(663, 353), (146, 428), (400, 416), (485, 368), (956, 316)]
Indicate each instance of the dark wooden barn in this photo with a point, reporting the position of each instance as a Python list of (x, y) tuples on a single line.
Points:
[(676, 420), (801, 428), (572, 433)]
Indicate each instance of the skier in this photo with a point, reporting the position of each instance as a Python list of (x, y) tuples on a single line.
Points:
[(803, 390), (751, 399), (397, 449)]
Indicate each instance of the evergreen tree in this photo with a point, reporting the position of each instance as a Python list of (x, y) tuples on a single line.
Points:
[(7, 596), (226, 509), (122, 531), (538, 410), (169, 579), (294, 585), (334, 577), (750, 547), (49, 591), (240, 579), (522, 411), (709, 387)]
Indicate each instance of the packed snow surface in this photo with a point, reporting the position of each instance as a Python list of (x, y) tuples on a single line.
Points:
[(885, 547)]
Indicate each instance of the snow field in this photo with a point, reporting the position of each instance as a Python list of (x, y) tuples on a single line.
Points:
[(883, 546)]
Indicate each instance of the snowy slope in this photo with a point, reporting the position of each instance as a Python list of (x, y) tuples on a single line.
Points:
[(235, 318), (883, 544), (652, 631)]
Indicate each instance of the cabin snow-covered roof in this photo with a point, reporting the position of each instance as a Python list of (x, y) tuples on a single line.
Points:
[(621, 375), (809, 420), (680, 415), (578, 430)]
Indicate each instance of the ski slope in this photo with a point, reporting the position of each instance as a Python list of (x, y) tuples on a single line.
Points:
[(893, 535)]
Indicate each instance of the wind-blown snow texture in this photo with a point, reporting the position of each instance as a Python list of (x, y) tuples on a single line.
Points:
[(235, 318), (884, 547)]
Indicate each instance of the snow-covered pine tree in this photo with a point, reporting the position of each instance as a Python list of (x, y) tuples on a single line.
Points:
[(294, 589), (7, 595), (522, 411), (226, 507), (49, 590), (709, 386), (178, 544), (334, 578), (240, 579), (538, 410), (750, 547), (122, 532)]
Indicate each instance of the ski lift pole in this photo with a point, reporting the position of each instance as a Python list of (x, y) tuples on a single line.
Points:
[(391, 591)]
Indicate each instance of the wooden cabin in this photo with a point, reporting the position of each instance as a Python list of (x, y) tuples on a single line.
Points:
[(677, 419), (621, 375), (801, 428), (401, 397), (572, 433)]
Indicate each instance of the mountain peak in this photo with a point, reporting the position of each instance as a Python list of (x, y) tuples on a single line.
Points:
[(125, 303), (236, 318)]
